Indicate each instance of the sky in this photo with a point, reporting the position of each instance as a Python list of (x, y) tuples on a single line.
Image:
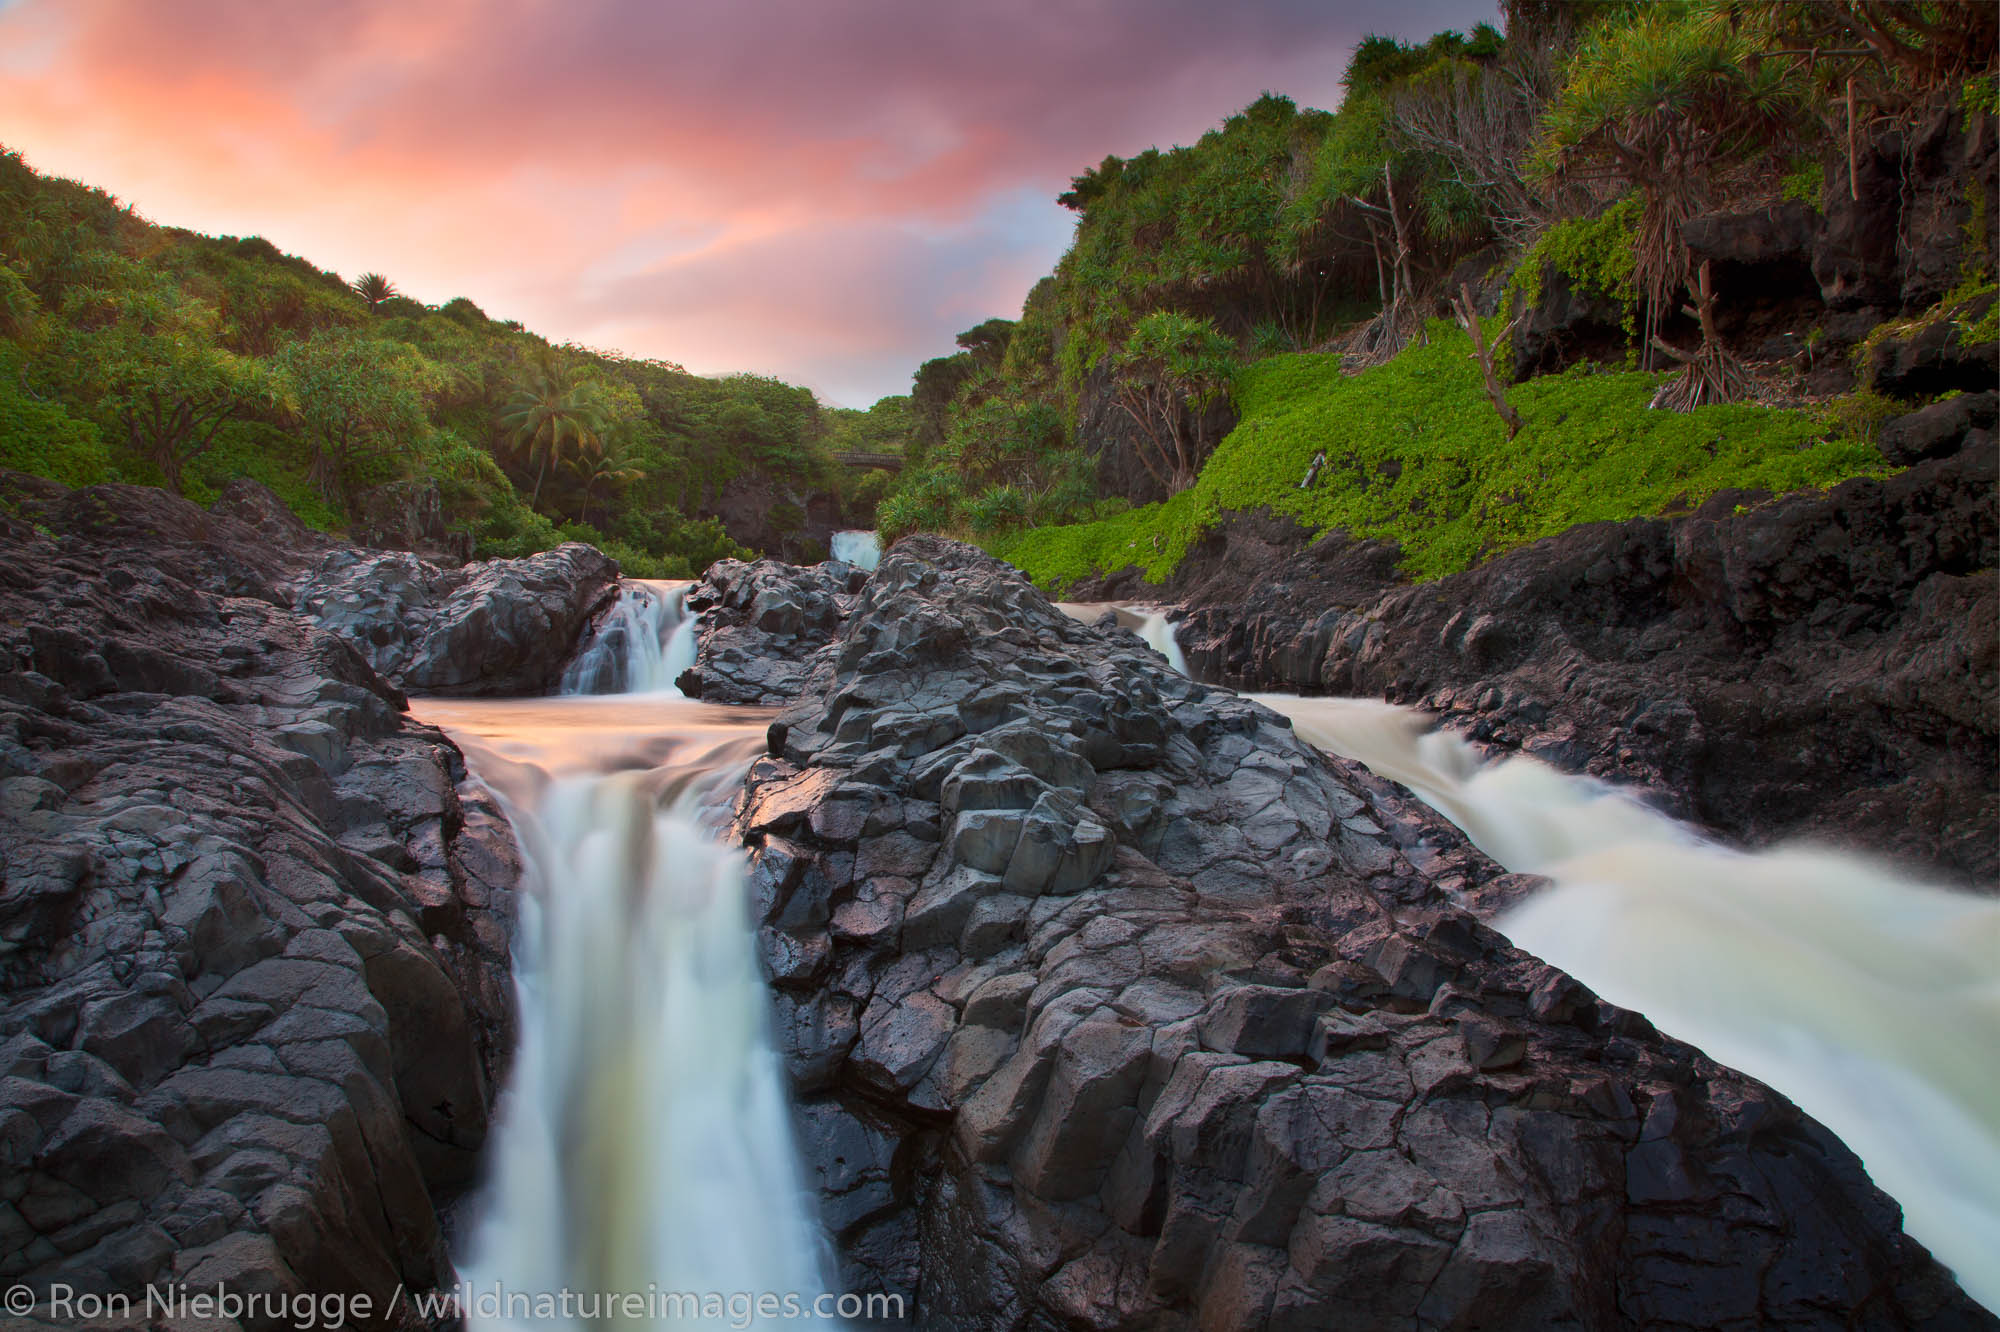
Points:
[(824, 190)]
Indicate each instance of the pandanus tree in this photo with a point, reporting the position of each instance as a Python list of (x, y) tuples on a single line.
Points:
[(1171, 368), (374, 289), (553, 413), (1668, 101)]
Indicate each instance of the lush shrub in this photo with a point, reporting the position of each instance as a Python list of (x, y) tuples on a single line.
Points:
[(40, 437), (1415, 454)]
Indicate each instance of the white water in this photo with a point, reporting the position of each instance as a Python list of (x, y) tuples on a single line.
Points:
[(858, 548), (642, 645), (644, 1143), (1149, 622), (1870, 999)]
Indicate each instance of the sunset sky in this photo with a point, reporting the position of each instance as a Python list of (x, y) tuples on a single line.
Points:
[(825, 190)]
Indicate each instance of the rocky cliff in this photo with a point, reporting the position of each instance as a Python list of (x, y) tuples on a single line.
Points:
[(1821, 665), (1113, 1005), (255, 920)]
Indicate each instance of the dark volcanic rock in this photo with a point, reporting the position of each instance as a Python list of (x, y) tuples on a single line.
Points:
[(1567, 324), (497, 627), (1822, 665), (1936, 356), (1938, 430), (1115, 1006), (760, 622), (255, 957)]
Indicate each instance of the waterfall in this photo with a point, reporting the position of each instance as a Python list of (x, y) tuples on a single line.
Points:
[(1149, 622), (861, 549), (642, 645), (644, 1144), (1871, 1000)]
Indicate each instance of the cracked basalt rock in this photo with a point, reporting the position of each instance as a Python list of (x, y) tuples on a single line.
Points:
[(760, 622), (253, 923), (1112, 1005), (1822, 665), (497, 627)]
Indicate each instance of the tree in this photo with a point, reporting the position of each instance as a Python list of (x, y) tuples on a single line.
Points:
[(374, 289), (359, 402), (1171, 368), (552, 412), (988, 341), (1665, 101), (1482, 352), (147, 355), (609, 465)]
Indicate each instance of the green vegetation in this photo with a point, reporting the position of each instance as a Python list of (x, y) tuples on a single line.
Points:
[(1597, 254), (1414, 454), (132, 352), (1299, 256)]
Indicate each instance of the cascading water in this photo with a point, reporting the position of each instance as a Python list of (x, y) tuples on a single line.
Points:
[(1871, 1000), (644, 1145), (861, 549), (642, 645), (1149, 622)]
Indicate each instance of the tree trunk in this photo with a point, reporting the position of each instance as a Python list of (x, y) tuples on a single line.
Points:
[(1468, 317)]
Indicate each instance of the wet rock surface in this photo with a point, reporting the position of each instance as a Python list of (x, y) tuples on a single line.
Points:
[(253, 922), (1113, 1005), (760, 624), (497, 627), (1821, 665)]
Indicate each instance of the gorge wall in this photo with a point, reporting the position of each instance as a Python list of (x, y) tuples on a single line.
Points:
[(1820, 665), (256, 972), (1114, 1005)]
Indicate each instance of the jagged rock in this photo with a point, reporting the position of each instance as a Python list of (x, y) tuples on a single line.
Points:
[(408, 515), (253, 504), (255, 967), (1896, 234), (1567, 323), (1936, 356), (1937, 431), (1744, 662), (1247, 1066), (497, 627), (759, 624)]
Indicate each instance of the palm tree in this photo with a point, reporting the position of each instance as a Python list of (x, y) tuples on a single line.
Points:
[(374, 289), (610, 463), (550, 412)]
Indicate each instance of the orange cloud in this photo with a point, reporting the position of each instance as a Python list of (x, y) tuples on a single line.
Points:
[(822, 191)]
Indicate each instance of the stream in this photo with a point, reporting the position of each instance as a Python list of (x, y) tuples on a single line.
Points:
[(645, 1141)]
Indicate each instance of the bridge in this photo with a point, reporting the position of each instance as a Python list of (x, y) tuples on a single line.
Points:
[(888, 462)]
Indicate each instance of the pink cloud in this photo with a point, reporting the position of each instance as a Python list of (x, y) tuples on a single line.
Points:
[(822, 190)]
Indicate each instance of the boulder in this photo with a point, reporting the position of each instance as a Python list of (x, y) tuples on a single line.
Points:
[(255, 992), (1241, 1063), (1937, 431), (1822, 665), (760, 622), (496, 627)]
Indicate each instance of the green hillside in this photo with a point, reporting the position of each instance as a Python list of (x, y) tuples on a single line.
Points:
[(135, 352), (1288, 272)]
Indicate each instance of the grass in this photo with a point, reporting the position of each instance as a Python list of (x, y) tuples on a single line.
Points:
[(1415, 454)]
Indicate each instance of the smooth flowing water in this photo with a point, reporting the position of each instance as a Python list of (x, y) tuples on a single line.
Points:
[(642, 644), (1871, 999), (644, 1145), (1149, 622), (859, 548)]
